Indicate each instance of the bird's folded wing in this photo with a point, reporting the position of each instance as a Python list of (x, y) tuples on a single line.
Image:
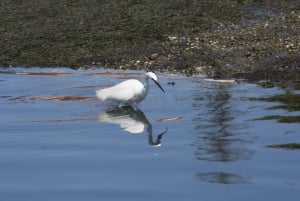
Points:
[(121, 95)]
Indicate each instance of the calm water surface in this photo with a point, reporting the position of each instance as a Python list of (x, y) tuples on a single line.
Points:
[(201, 140)]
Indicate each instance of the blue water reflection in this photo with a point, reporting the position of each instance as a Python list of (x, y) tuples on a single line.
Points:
[(223, 178), (219, 138)]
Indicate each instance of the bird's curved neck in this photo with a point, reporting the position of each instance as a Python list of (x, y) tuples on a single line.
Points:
[(147, 83)]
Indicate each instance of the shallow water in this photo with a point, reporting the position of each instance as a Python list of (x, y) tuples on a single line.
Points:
[(201, 140)]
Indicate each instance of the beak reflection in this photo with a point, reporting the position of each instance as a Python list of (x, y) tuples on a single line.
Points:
[(131, 120)]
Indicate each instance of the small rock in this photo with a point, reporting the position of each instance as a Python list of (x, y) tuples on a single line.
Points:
[(153, 56)]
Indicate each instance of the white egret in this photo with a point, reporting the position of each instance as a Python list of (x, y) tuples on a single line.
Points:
[(128, 92)]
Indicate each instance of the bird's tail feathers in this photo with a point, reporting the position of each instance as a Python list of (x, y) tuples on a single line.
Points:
[(102, 94)]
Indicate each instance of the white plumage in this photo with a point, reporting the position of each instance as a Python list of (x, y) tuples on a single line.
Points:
[(128, 92)]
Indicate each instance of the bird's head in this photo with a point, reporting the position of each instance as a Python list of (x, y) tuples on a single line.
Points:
[(152, 76)]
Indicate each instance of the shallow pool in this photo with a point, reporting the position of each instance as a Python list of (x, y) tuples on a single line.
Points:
[(201, 140)]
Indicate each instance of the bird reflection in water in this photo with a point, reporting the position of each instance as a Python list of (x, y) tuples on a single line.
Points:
[(131, 120)]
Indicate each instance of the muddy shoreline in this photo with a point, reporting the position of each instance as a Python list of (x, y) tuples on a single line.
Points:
[(223, 39)]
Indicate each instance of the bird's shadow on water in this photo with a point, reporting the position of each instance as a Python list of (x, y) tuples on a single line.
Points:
[(132, 120)]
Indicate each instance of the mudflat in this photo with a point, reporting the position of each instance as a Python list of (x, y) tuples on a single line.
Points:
[(248, 39)]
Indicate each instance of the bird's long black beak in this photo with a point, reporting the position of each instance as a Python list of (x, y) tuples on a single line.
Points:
[(159, 86)]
